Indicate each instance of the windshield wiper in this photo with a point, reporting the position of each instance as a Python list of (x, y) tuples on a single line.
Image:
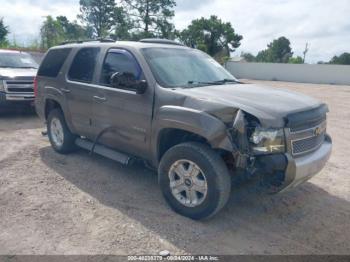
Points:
[(219, 82), (201, 83), (224, 81)]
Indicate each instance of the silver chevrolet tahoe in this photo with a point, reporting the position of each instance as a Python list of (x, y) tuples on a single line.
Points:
[(186, 116), (17, 72)]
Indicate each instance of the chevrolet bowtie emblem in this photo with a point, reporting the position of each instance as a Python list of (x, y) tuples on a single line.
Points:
[(318, 131)]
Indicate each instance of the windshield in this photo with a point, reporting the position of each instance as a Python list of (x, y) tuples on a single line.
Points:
[(175, 67), (17, 60)]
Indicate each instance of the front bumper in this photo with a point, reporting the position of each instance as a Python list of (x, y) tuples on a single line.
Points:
[(11, 99), (301, 169)]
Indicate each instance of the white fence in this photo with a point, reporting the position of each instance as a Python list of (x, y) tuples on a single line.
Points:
[(318, 74)]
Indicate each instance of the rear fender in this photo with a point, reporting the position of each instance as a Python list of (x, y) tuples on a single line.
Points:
[(52, 93)]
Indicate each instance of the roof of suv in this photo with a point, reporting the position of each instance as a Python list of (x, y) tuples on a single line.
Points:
[(131, 44)]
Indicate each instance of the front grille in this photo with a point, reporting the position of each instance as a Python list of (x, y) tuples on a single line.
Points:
[(306, 145), (21, 90), (308, 140), (19, 86)]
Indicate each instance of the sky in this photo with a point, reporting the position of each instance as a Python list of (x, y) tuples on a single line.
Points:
[(324, 24)]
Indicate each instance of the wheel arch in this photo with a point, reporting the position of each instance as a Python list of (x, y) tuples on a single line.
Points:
[(177, 136), (50, 103), (176, 125)]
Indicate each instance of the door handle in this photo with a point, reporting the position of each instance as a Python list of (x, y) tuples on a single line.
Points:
[(65, 90), (100, 99)]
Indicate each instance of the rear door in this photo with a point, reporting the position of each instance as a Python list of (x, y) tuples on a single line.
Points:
[(79, 91), (125, 114)]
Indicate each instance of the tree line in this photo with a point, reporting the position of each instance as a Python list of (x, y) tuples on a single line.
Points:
[(137, 19), (280, 51)]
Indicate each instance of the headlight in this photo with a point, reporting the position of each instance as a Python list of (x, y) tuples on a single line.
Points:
[(267, 141), (2, 85)]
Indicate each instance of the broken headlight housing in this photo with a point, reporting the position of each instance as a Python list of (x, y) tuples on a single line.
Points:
[(267, 141)]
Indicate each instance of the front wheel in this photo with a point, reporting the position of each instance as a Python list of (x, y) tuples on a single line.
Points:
[(194, 180)]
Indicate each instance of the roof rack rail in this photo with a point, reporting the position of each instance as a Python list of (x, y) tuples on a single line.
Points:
[(160, 41), (101, 40)]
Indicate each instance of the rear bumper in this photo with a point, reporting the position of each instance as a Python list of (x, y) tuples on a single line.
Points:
[(301, 169)]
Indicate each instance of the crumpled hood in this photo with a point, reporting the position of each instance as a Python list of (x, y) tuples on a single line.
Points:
[(269, 105), (7, 73)]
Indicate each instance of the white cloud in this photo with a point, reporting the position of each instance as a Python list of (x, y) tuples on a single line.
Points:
[(324, 24), (24, 17)]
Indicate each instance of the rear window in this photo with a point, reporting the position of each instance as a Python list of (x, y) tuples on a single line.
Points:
[(83, 66), (53, 62)]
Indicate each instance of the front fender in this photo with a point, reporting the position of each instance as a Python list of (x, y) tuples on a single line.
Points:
[(194, 121)]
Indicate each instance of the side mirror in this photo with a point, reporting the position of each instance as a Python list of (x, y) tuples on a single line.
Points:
[(141, 87), (126, 80)]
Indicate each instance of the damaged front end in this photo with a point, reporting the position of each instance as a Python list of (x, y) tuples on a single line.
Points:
[(258, 152), (277, 135), (285, 157)]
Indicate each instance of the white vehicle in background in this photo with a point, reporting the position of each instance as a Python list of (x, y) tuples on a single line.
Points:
[(17, 72)]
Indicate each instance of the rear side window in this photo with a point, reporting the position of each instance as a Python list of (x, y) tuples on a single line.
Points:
[(83, 66), (53, 62)]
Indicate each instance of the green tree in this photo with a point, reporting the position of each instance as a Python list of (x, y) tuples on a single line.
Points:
[(212, 36), (99, 15), (122, 30), (57, 30), (263, 56), (51, 33), (4, 31), (278, 51), (166, 30), (72, 30), (248, 57), (343, 59), (296, 60), (151, 18)]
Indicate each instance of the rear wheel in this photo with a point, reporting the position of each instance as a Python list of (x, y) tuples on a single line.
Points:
[(61, 139), (194, 180)]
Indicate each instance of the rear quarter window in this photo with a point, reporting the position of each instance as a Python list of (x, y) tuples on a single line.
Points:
[(53, 62), (83, 65)]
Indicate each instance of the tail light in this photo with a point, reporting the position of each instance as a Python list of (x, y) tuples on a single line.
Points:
[(35, 86)]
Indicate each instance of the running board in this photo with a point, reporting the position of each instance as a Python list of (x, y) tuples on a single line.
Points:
[(103, 151)]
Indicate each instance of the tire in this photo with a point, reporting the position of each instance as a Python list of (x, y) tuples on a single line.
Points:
[(213, 172), (66, 143)]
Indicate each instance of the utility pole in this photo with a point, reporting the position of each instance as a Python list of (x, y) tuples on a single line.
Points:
[(305, 52)]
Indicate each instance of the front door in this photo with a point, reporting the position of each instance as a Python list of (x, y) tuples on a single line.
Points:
[(122, 117)]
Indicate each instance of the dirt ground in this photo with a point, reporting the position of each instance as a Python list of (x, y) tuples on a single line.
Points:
[(78, 204)]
